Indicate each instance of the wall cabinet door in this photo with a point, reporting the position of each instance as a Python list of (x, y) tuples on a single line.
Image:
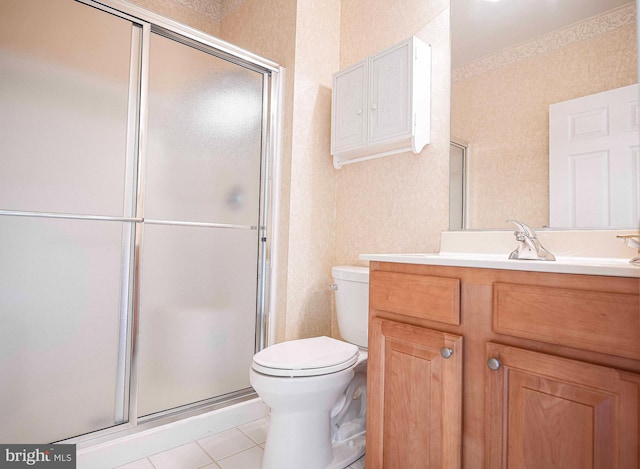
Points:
[(390, 94), (414, 397), (549, 412), (380, 106), (349, 113)]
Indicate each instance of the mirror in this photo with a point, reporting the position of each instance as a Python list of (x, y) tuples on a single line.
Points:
[(510, 61)]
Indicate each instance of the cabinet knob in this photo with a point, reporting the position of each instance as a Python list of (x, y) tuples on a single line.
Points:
[(494, 363), (446, 352), (374, 106), (359, 112)]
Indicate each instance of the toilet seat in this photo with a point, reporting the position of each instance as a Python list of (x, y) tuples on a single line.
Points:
[(305, 357)]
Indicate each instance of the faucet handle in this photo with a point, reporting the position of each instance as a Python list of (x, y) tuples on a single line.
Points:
[(523, 228), (632, 241), (529, 247)]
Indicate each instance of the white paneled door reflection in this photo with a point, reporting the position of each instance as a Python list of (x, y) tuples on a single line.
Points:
[(594, 169)]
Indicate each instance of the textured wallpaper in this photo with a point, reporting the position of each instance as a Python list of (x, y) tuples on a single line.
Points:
[(305, 38), (312, 202), (329, 216), (397, 203), (196, 14)]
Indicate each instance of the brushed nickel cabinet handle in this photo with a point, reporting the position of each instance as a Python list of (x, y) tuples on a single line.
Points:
[(446, 352), (494, 363)]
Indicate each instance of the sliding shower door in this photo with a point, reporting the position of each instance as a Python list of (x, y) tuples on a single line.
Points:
[(201, 238), (66, 189), (133, 233)]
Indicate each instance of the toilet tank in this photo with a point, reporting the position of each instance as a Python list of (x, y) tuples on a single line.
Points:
[(352, 302)]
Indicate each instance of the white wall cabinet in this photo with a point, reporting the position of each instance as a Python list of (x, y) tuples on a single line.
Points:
[(381, 106)]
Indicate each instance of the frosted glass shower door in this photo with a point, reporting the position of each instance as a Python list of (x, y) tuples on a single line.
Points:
[(66, 228), (60, 308), (201, 238), (64, 99)]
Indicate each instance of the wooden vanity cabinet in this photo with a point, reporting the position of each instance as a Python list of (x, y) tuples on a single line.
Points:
[(563, 389), (413, 396), (545, 411)]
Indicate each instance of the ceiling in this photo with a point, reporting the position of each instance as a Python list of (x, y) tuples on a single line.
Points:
[(481, 28)]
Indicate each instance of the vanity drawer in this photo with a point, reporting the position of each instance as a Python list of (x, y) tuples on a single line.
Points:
[(598, 321), (418, 296)]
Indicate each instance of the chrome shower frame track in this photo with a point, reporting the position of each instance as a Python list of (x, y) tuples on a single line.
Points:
[(144, 23)]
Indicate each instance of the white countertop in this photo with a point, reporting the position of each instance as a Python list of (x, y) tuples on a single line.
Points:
[(567, 265), (588, 252)]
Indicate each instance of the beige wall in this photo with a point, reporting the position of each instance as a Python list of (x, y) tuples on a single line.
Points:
[(504, 115), (329, 216), (312, 203), (268, 28), (181, 14), (265, 27), (304, 38), (397, 203)]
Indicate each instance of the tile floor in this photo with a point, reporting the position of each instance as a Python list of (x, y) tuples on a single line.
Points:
[(238, 448)]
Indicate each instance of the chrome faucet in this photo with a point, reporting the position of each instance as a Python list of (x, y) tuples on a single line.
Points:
[(632, 241), (529, 247)]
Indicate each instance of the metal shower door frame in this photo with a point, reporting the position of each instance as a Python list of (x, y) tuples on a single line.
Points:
[(273, 95)]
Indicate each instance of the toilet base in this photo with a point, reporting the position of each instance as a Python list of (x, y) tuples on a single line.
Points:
[(316, 422), (315, 451), (348, 451), (295, 441), (340, 453)]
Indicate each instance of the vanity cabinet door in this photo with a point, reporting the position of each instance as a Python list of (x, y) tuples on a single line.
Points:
[(414, 397), (544, 411)]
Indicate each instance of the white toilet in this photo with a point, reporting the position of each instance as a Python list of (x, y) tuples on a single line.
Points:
[(316, 388)]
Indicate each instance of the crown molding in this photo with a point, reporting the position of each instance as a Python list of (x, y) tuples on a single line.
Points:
[(594, 26)]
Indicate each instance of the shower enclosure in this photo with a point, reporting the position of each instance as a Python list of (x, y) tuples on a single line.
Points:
[(134, 198)]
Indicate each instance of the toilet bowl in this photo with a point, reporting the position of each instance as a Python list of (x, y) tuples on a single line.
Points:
[(316, 387)]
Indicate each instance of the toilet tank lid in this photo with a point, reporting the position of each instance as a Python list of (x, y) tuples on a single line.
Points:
[(350, 272), (316, 352)]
